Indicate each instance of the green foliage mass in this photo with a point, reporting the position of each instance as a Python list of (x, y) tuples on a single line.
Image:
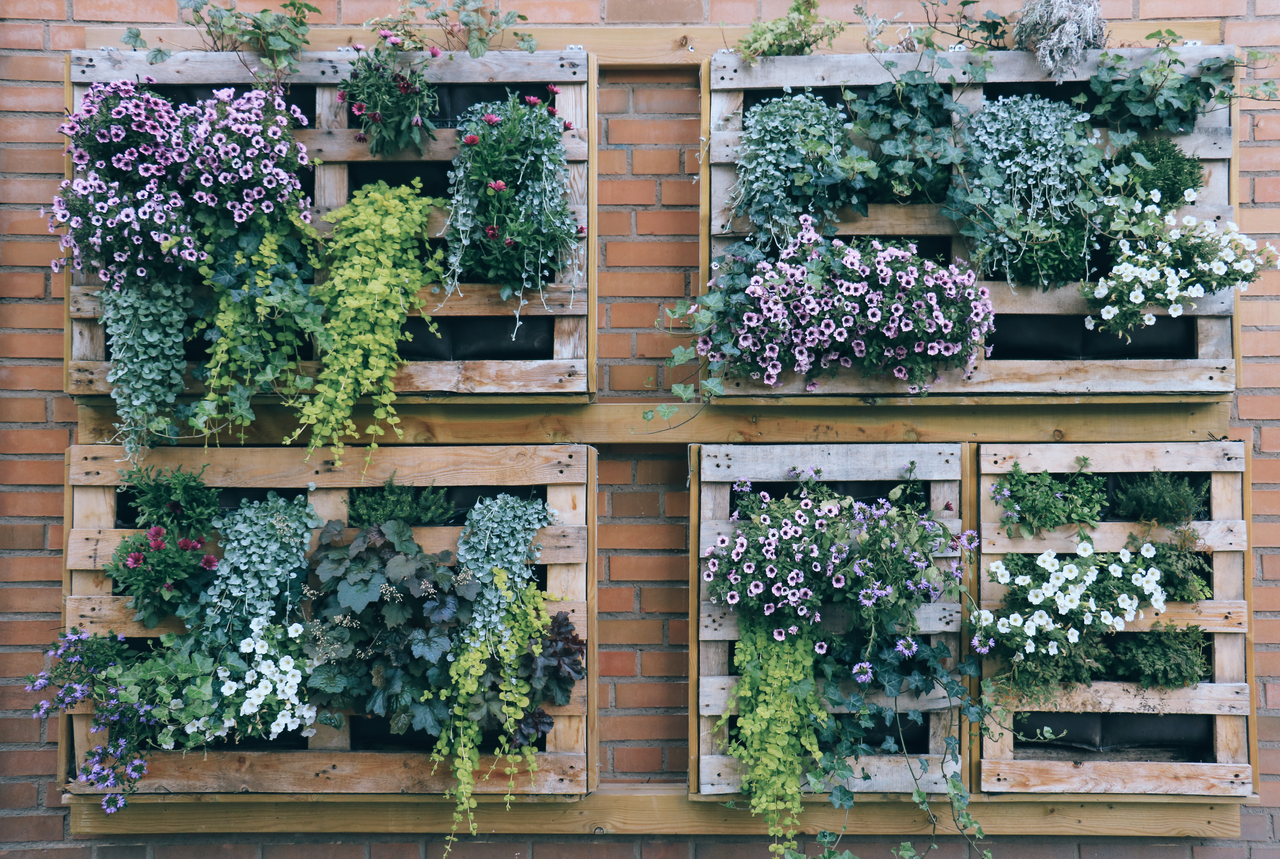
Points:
[(1159, 164), (1184, 573), (176, 500), (1167, 657), (794, 34), (1041, 501), (1163, 498), (391, 96), (416, 506), (378, 261)]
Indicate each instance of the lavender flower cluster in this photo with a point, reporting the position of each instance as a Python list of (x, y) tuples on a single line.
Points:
[(825, 304)]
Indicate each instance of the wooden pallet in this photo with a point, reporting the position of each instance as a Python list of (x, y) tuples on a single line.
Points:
[(569, 372), (1225, 618), (1213, 369), (567, 767), (714, 468)]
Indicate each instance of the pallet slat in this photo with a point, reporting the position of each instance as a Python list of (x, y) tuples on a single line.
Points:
[(717, 622), (1218, 699), (1121, 777), (731, 462), (334, 145), (1219, 536), (1115, 456), (714, 697), (722, 774)]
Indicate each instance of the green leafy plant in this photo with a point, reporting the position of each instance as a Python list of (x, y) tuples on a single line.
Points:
[(1160, 164), (176, 500), (160, 573), (416, 506), (1184, 573), (1162, 498), (383, 619), (471, 26), (1041, 501), (1060, 31), (277, 37), (1157, 92), (1167, 657), (389, 93), (796, 159), (378, 260), (510, 221), (795, 34)]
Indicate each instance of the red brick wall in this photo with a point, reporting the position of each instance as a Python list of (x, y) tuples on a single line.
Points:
[(648, 230)]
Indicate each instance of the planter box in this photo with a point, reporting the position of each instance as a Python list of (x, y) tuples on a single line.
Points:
[(567, 374), (714, 469), (1211, 371), (1225, 618), (568, 473)]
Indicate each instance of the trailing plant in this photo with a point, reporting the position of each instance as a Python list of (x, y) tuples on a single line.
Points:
[(160, 573), (1060, 31), (880, 563), (383, 619), (416, 506), (1025, 193), (389, 93), (796, 33), (827, 305), (262, 252), (276, 37), (510, 221), (176, 500), (264, 547), (795, 159), (1159, 164), (1158, 91), (378, 260), (1041, 501)]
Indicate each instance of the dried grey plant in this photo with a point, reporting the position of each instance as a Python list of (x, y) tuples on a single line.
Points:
[(1060, 31)]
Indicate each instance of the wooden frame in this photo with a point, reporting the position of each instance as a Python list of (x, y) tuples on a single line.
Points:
[(1226, 618), (716, 467), (568, 373), (1212, 371), (566, 768)]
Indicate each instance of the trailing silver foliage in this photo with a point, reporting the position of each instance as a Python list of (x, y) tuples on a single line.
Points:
[(1060, 31)]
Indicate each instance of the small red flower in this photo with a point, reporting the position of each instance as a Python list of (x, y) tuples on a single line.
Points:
[(471, 140), (209, 562), (134, 560), (582, 229), (434, 51), (155, 532), (168, 586), (498, 185), (509, 242), (553, 89), (186, 545), (361, 137), (568, 126), (491, 118), (491, 232), (342, 96), (551, 110), (358, 108), (156, 545), (532, 100), (376, 116)]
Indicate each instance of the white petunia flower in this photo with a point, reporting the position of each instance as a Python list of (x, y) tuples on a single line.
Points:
[(295, 629), (1053, 648), (1084, 548), (1137, 296), (1073, 635), (1149, 319), (1089, 323), (1189, 195), (246, 646), (1015, 619), (1148, 550), (1175, 310)]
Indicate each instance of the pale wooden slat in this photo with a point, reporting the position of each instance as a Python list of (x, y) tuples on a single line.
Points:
[(332, 180), (944, 498), (331, 739), (328, 68), (1226, 499), (722, 774), (1213, 337), (1217, 699), (1068, 301), (568, 734), (1227, 617), (718, 622), (344, 772), (337, 144), (493, 377), (570, 337), (1219, 536), (88, 341), (1117, 456), (1194, 779), (1217, 177), (329, 504), (481, 465), (715, 699), (709, 531), (1024, 377), (1000, 747), (91, 507), (1231, 739), (727, 463), (726, 112)]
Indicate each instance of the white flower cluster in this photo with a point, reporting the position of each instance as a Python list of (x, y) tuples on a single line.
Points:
[(1090, 589)]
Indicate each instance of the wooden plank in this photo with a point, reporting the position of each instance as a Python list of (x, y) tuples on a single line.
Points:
[(91, 549), (493, 377), (1120, 777), (1216, 699), (344, 772), (502, 465), (882, 219), (708, 532), (718, 622), (329, 504), (727, 463), (88, 341), (1140, 457), (332, 182), (715, 698), (944, 498), (92, 507), (1214, 337), (337, 144), (1067, 300), (1227, 617), (327, 68), (331, 739), (1218, 536), (1183, 375), (570, 337), (722, 774)]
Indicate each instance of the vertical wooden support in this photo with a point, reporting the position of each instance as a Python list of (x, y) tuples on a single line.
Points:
[(593, 626), (571, 337), (593, 236), (1213, 337), (1226, 501), (91, 507), (713, 656), (329, 504), (695, 591), (704, 178), (331, 179), (568, 582)]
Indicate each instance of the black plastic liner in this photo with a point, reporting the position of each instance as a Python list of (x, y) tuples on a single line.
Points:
[(434, 175), (479, 338), (1189, 735), (373, 734), (1028, 337)]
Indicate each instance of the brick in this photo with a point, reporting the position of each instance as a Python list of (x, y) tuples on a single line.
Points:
[(1266, 471), (632, 315), (613, 223), (124, 851), (1258, 408), (156, 11), (1259, 158), (17, 795), (402, 850), (613, 345), (654, 12), (657, 131), (687, 75), (14, 35), (616, 599), (612, 471), (581, 850), (44, 569), (1266, 598), (66, 37), (34, 441), (655, 160), (652, 253), (631, 378), (680, 192), (637, 759), (55, 537), (615, 101), (611, 162), (313, 851), (622, 663), (630, 632), (632, 696), (32, 161), (21, 537), (32, 99), (35, 827), (28, 345), (1266, 534), (1260, 220), (47, 853), (1178, 9), (29, 129), (1255, 375), (1266, 189), (33, 599), (20, 664), (29, 762), (31, 504), (65, 410), (33, 316), (667, 223), (662, 471), (26, 222), (1207, 851), (19, 731), (39, 633), (642, 536), (26, 67), (668, 600), (628, 192), (1266, 630), (214, 851), (562, 12), (36, 191), (1255, 827), (662, 664), (17, 697), (21, 284), (1251, 34), (677, 504), (643, 727), (667, 101), (1266, 663), (21, 409), (1259, 313), (1269, 791), (632, 504), (646, 283), (659, 345), (733, 11), (665, 568)]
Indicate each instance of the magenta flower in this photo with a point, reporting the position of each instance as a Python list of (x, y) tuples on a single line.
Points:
[(491, 231), (342, 96), (358, 108), (532, 100), (471, 140), (568, 126), (209, 562), (552, 111), (553, 89), (134, 560), (498, 185), (492, 118), (434, 51)]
